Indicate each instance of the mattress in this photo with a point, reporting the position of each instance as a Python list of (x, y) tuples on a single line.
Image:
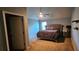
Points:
[(47, 34)]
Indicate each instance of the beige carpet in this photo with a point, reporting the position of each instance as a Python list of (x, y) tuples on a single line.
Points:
[(42, 45)]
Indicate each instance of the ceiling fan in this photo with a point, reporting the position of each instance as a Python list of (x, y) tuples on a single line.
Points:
[(43, 14)]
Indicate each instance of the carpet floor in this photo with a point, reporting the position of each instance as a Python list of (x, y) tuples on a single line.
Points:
[(42, 45)]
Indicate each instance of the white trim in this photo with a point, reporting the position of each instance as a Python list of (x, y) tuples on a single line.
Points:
[(74, 45), (6, 12), (4, 19), (5, 27)]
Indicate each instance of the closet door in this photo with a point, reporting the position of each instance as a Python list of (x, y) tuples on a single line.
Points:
[(11, 32), (12, 36), (15, 32)]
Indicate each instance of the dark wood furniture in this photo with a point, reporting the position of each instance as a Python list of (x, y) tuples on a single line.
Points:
[(68, 30)]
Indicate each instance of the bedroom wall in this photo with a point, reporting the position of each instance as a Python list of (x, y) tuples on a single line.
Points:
[(22, 11), (75, 33), (33, 28), (64, 21)]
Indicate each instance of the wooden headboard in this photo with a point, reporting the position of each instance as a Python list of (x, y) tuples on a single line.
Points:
[(54, 27)]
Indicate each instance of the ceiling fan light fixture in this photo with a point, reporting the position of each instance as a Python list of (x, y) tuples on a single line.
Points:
[(41, 15)]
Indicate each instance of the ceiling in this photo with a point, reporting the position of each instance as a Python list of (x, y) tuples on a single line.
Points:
[(53, 12)]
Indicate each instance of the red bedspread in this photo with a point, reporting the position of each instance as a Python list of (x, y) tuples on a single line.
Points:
[(47, 34)]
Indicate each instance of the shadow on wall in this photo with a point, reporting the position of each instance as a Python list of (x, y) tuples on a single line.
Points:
[(33, 28), (75, 33)]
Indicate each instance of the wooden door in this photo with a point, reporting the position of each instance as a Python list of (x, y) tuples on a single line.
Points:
[(15, 32), (11, 32)]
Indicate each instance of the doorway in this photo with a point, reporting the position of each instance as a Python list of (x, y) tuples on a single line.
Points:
[(15, 32), (43, 25)]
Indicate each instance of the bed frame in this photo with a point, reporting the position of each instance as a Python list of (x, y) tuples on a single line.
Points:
[(58, 36)]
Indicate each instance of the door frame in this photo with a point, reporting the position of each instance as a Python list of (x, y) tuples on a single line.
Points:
[(5, 27)]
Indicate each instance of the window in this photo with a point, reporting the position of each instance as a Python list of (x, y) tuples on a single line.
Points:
[(44, 25)]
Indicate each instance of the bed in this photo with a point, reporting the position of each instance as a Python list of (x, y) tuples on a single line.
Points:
[(53, 32)]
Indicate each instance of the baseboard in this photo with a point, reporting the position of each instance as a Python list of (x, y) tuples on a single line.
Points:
[(74, 45)]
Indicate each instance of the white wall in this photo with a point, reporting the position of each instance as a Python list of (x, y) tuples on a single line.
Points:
[(22, 11), (63, 21), (60, 21), (33, 28), (75, 33)]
